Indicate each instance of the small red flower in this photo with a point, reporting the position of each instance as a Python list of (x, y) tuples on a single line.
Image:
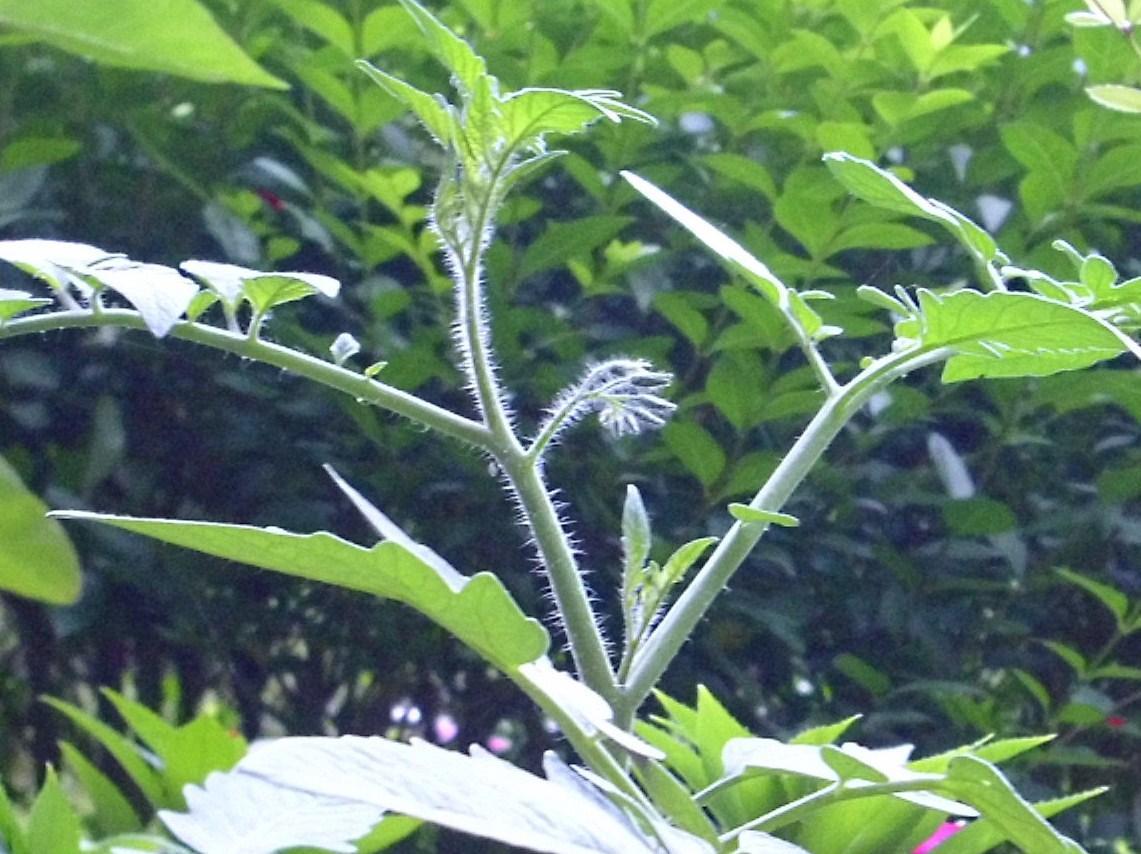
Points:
[(272, 199), (1116, 721)]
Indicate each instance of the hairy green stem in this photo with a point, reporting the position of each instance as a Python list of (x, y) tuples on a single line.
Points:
[(588, 746), (580, 623), (683, 616), (319, 371)]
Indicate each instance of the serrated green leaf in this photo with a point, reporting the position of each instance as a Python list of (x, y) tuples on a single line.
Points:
[(267, 291), (529, 114), (826, 734), (37, 559), (565, 240), (431, 110), (984, 787), (1006, 334), (322, 20), (982, 835), (11, 830), (467, 67), (992, 751), (478, 609), (697, 450), (753, 515)]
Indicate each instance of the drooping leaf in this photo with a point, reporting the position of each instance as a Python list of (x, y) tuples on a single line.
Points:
[(1007, 334), (982, 835), (50, 260), (158, 293), (37, 560), (177, 37), (478, 794), (585, 705), (245, 814), (982, 785), (477, 610)]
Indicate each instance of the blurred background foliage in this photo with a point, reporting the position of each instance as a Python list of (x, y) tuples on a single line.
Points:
[(927, 596)]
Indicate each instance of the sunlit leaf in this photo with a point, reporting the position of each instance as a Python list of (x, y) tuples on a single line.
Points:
[(13, 303), (1126, 99), (477, 610), (1006, 334), (431, 110), (756, 516), (454, 53), (177, 37)]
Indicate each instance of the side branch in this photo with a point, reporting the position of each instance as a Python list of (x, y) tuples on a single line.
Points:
[(684, 615), (310, 367)]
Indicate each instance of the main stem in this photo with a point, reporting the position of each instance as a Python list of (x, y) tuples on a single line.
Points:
[(522, 470), (683, 616)]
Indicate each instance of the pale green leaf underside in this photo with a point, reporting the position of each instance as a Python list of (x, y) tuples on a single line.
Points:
[(177, 37), (736, 256), (1005, 334), (1126, 99), (878, 187), (37, 559), (477, 610), (479, 794)]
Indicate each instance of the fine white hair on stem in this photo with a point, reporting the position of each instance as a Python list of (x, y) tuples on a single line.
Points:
[(625, 394)]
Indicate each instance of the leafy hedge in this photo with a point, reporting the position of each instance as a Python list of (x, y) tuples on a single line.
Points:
[(980, 575)]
